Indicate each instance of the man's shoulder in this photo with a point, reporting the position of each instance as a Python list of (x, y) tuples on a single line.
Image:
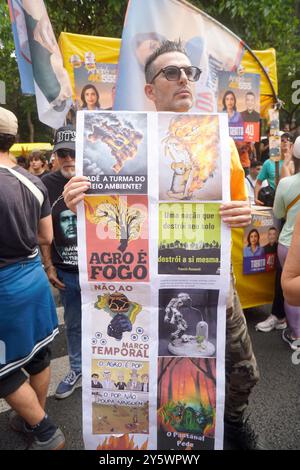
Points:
[(34, 179), (52, 176), (53, 179)]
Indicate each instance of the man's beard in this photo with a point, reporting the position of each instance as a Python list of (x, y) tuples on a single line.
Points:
[(68, 173)]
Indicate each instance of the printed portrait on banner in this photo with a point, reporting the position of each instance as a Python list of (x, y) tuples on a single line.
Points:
[(260, 243), (95, 82), (239, 97)]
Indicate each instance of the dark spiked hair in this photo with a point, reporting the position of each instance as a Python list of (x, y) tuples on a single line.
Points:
[(165, 47)]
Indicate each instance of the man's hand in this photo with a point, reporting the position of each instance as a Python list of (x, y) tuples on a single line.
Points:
[(236, 213), (74, 191), (53, 279)]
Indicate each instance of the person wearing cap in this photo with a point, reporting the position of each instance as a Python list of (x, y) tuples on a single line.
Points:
[(288, 167), (28, 320), (268, 171), (61, 262)]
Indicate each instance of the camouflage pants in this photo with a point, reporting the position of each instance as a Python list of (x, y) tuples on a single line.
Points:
[(241, 367)]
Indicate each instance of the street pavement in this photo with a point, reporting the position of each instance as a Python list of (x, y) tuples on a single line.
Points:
[(274, 405)]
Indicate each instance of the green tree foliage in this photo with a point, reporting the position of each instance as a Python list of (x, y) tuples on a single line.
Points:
[(260, 23)]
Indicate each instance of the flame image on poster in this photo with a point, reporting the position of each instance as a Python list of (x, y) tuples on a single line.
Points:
[(186, 403), (189, 157), (120, 391), (115, 152), (117, 238), (121, 443)]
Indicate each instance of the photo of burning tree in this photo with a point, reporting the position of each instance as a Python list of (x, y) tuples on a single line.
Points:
[(123, 221), (117, 237), (186, 403)]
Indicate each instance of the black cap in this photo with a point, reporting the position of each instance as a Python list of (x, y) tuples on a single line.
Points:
[(65, 138), (287, 135)]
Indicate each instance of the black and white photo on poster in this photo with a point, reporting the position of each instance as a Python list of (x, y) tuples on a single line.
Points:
[(187, 322)]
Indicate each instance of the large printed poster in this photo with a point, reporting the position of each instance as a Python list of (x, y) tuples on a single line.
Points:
[(154, 271)]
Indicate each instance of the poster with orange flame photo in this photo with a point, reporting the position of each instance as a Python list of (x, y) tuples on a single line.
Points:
[(189, 157), (186, 403)]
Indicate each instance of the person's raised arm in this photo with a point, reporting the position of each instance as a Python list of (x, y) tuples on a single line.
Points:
[(257, 187)]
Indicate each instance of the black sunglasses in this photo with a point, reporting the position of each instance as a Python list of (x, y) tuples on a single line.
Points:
[(64, 153), (173, 73)]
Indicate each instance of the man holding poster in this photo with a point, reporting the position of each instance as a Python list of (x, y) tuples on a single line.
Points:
[(169, 77)]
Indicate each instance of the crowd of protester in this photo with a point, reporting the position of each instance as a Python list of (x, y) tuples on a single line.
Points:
[(40, 195)]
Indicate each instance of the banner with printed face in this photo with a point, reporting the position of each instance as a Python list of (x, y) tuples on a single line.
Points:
[(94, 83), (260, 243), (91, 63), (238, 96), (75, 47), (154, 263), (274, 138), (40, 61), (209, 46)]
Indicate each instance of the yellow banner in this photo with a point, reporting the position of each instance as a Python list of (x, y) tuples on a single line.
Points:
[(76, 47), (26, 148), (268, 60), (78, 50)]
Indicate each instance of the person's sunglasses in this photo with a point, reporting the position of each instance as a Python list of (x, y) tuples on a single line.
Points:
[(64, 153), (173, 73)]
